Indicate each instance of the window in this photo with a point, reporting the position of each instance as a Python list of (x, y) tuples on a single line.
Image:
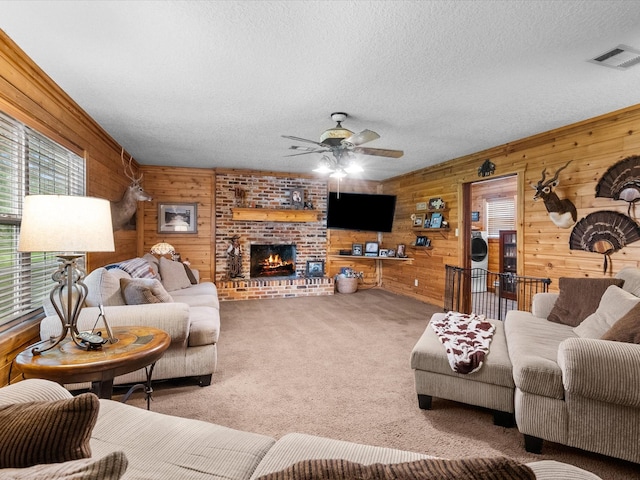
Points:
[(30, 163), (501, 215)]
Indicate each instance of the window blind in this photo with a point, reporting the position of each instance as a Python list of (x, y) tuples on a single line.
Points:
[(501, 215), (30, 164)]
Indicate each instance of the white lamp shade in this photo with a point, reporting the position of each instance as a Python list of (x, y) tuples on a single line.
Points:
[(60, 223)]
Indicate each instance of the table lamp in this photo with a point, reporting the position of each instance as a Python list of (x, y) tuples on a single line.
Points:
[(163, 248), (66, 224)]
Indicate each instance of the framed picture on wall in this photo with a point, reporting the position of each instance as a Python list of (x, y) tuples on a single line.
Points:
[(356, 249), (315, 268), (177, 217), (418, 220), (371, 249), (297, 198)]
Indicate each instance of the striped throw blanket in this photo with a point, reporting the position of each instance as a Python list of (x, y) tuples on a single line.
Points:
[(466, 339)]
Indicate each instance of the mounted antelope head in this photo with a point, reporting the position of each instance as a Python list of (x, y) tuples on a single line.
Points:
[(122, 211), (561, 212)]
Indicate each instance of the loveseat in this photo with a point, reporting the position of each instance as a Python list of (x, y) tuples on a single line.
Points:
[(154, 446), (576, 367), (154, 292)]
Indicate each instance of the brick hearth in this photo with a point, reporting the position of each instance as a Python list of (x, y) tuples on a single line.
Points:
[(259, 288)]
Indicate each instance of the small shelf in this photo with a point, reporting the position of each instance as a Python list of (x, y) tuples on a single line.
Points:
[(274, 215), (365, 257), (441, 231)]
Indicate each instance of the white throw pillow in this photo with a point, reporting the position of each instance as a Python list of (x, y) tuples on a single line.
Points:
[(614, 304), (173, 275), (103, 288)]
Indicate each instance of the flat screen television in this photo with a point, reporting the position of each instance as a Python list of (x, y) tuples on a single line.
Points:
[(361, 211)]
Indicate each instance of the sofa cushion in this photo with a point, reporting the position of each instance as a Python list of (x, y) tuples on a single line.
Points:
[(140, 291), (47, 432), (161, 446), (627, 329), (190, 275), (103, 288), (204, 326), (614, 304), (533, 349), (173, 275), (205, 291), (458, 469), (109, 467), (579, 298), (631, 277)]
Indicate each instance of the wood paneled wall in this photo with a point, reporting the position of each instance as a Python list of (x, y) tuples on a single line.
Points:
[(29, 95), (180, 185), (592, 146)]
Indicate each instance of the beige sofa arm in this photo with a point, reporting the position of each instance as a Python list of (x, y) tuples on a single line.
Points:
[(542, 304), (601, 370), (173, 318), (33, 390)]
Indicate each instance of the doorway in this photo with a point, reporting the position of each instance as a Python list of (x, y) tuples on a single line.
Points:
[(489, 210)]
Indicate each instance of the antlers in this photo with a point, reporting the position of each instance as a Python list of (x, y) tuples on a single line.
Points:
[(128, 171), (553, 180)]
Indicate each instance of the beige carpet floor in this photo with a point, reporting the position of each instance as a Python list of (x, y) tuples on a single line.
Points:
[(338, 366)]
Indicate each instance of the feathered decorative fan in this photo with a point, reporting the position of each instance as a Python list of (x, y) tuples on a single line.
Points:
[(604, 232), (621, 181)]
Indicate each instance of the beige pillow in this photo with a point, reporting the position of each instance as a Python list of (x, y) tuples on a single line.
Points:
[(140, 291), (109, 467), (627, 329), (173, 275), (104, 288), (579, 298), (47, 432), (614, 305)]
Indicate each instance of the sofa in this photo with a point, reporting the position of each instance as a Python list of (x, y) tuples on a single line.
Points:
[(127, 442), (156, 292), (576, 367)]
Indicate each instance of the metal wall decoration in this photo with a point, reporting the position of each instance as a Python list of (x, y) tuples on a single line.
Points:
[(604, 232), (563, 212), (487, 168), (621, 181)]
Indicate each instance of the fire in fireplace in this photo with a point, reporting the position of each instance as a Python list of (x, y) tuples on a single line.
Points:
[(273, 261)]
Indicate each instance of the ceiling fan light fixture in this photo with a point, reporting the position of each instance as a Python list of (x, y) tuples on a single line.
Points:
[(334, 136), (323, 168), (354, 168), (340, 173)]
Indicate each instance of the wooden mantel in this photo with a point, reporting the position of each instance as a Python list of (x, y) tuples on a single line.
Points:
[(274, 215)]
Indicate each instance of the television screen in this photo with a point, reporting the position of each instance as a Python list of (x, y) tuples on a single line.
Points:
[(361, 211)]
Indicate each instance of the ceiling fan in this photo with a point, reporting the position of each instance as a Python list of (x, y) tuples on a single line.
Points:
[(343, 144)]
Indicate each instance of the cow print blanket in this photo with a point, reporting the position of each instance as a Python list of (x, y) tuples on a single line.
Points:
[(466, 339)]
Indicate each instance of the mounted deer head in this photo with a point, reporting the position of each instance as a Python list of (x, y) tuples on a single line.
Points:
[(561, 212), (122, 211)]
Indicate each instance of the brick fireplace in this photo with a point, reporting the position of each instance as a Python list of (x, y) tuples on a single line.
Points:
[(308, 239)]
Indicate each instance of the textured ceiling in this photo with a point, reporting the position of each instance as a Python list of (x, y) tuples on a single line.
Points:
[(216, 83)]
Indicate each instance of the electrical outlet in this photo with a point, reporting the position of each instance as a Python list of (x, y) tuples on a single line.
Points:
[(415, 282)]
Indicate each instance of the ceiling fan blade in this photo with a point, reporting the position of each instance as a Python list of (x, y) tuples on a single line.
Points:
[(379, 152), (298, 139), (306, 151), (360, 138)]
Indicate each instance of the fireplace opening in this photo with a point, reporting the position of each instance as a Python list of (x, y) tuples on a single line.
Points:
[(273, 261)]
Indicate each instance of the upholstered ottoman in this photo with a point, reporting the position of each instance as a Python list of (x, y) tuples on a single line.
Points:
[(490, 387)]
